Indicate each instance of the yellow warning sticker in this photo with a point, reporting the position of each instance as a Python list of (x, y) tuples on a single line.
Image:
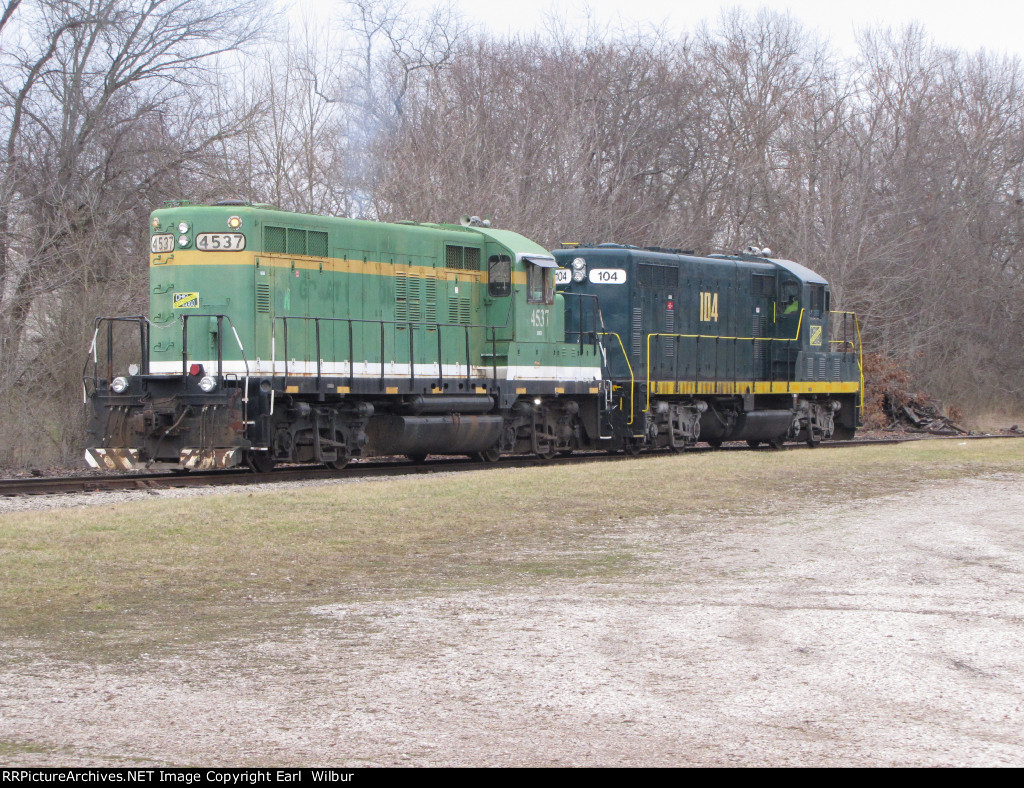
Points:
[(815, 335), (186, 300)]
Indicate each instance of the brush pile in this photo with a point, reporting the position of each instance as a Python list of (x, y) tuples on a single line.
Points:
[(909, 414)]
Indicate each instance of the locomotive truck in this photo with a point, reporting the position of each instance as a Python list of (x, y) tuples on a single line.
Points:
[(278, 337)]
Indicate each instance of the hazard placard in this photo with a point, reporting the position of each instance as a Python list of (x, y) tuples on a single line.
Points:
[(186, 301)]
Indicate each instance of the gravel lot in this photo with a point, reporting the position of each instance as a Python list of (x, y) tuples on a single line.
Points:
[(889, 632)]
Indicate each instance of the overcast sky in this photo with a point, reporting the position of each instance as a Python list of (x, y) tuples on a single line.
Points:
[(996, 25)]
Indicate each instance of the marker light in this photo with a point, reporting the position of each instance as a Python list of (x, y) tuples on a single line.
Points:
[(195, 370), (156, 223)]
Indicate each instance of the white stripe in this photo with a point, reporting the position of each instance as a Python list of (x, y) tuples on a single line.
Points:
[(336, 369)]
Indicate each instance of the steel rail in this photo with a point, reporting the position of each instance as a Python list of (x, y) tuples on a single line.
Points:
[(88, 483)]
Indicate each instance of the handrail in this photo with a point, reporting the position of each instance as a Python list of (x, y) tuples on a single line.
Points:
[(632, 379), (93, 351), (144, 324), (717, 338), (398, 324)]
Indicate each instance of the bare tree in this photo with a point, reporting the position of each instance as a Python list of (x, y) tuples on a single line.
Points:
[(96, 106)]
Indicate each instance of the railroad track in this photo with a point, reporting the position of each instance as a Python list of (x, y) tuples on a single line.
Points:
[(152, 481)]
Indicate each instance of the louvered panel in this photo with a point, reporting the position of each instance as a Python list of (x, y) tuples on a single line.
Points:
[(670, 328), (415, 299), (401, 298), (636, 337), (459, 309), (430, 301), (757, 331), (263, 298)]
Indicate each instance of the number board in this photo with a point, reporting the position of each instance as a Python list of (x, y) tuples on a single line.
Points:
[(607, 276), (563, 276), (161, 243), (220, 242)]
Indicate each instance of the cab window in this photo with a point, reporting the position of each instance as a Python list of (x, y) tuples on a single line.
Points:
[(499, 275), (540, 284), (816, 300)]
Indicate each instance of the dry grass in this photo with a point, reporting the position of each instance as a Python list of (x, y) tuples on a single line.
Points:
[(166, 574)]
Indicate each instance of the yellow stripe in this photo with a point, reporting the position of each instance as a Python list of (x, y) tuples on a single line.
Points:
[(753, 387), (327, 264)]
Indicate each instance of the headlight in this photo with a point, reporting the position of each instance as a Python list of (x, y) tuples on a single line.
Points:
[(118, 385), (579, 263), (182, 227), (579, 276), (207, 384), (234, 222), (182, 240)]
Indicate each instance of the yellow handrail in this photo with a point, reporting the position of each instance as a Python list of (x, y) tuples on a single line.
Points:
[(796, 338), (632, 380)]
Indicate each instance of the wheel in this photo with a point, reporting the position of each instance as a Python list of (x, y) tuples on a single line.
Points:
[(753, 444), (260, 462), (715, 444), (776, 443), (633, 447), (492, 454), (417, 458), (813, 440), (338, 465)]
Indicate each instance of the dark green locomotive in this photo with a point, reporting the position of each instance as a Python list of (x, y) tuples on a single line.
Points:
[(718, 348)]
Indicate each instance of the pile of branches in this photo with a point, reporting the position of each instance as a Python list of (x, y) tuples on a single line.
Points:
[(907, 413)]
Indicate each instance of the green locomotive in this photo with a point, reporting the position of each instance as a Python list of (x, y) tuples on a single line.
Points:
[(718, 348), (282, 337), (277, 337)]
